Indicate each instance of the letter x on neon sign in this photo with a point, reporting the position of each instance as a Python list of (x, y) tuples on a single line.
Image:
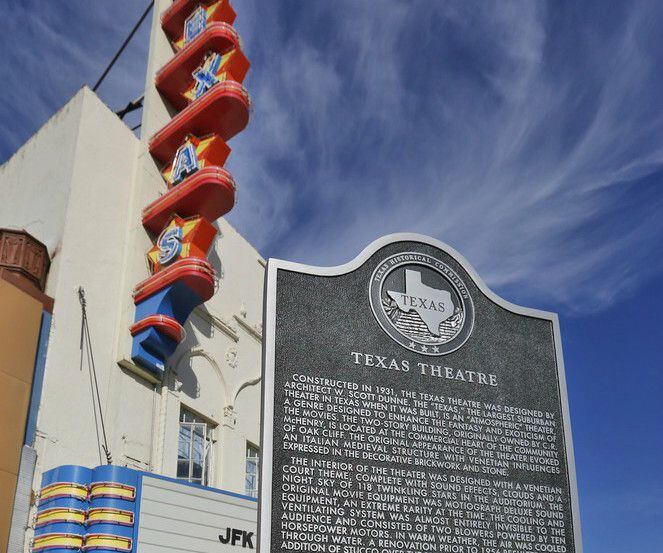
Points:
[(205, 76)]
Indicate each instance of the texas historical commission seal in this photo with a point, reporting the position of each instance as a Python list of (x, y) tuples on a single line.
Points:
[(421, 303)]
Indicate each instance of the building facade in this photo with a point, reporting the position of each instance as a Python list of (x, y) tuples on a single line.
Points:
[(80, 186)]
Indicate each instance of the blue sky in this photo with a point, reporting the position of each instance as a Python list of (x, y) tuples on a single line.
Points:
[(528, 135)]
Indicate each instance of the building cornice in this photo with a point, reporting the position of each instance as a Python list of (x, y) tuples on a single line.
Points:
[(253, 330), (217, 322)]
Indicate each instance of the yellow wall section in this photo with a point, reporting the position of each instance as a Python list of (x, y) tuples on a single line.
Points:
[(20, 319)]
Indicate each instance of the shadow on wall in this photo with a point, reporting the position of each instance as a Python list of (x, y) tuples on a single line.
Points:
[(189, 384), (196, 365), (201, 324), (213, 256)]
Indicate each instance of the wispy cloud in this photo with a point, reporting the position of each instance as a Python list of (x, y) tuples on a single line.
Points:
[(531, 145), (525, 134), (51, 49)]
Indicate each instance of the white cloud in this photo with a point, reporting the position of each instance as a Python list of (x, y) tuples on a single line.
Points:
[(519, 172), (51, 52), (515, 137)]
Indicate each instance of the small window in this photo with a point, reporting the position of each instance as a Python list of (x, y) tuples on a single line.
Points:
[(194, 451), (252, 470)]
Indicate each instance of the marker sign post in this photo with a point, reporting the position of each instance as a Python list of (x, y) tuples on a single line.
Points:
[(408, 408)]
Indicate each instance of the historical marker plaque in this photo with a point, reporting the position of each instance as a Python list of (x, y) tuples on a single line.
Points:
[(407, 408)]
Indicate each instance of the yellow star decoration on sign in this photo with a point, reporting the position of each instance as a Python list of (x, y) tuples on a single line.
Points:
[(209, 151), (181, 238)]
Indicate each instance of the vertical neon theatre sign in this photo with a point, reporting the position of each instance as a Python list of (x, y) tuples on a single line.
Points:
[(203, 82)]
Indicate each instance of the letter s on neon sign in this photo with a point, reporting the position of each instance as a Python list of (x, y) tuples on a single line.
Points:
[(170, 244)]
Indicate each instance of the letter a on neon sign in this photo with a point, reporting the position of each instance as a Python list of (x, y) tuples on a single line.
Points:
[(185, 162)]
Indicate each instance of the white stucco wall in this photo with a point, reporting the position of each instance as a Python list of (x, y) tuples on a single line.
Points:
[(42, 169), (79, 186), (74, 177)]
